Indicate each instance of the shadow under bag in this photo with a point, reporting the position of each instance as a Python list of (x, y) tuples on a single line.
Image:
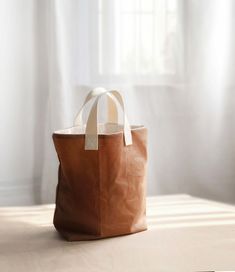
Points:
[(102, 174)]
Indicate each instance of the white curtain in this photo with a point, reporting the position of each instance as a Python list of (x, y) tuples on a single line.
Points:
[(49, 58)]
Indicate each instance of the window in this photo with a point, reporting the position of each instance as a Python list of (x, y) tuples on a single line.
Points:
[(137, 39)]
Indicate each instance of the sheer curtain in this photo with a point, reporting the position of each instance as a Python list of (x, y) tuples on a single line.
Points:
[(173, 60)]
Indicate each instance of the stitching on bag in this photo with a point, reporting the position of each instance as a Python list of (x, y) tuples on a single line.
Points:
[(99, 175)]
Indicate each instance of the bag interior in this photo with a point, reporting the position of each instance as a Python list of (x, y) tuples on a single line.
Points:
[(103, 128)]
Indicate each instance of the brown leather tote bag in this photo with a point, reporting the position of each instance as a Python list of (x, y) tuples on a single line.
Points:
[(102, 174)]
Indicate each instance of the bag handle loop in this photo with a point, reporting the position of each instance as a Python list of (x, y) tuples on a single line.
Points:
[(112, 113), (91, 135)]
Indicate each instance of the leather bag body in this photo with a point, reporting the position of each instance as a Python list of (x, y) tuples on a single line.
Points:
[(100, 193)]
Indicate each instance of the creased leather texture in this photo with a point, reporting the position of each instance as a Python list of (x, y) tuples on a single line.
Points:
[(100, 193)]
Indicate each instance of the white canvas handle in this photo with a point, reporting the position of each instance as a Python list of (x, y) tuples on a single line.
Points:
[(91, 135), (112, 113)]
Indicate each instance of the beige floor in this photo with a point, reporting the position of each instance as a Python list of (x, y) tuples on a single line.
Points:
[(185, 234)]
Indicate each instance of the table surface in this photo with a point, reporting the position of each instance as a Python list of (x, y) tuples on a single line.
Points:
[(185, 234)]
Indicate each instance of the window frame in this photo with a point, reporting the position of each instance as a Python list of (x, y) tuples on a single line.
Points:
[(138, 79)]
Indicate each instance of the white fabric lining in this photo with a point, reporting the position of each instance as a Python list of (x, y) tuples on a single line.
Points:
[(103, 128)]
